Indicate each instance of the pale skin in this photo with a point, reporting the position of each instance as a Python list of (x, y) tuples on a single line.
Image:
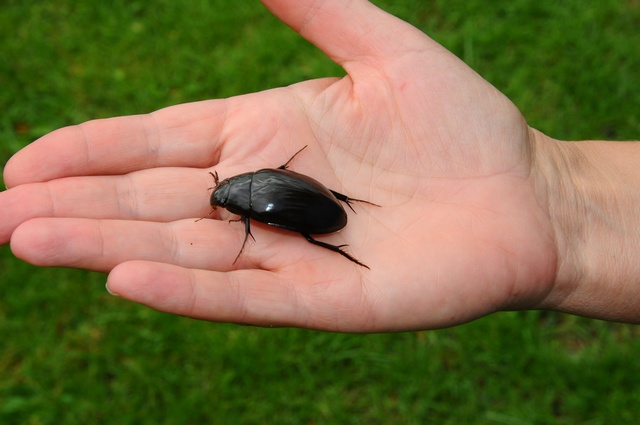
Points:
[(479, 212)]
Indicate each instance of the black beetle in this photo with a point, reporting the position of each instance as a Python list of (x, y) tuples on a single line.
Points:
[(283, 198)]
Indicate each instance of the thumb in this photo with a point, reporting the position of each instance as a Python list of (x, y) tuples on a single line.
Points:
[(349, 31)]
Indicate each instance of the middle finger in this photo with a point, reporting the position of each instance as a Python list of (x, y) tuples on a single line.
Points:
[(161, 194)]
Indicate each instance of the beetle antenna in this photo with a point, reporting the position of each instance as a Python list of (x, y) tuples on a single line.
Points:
[(202, 218)]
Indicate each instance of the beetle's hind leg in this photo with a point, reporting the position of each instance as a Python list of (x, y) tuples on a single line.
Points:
[(247, 233), (348, 201), (334, 248)]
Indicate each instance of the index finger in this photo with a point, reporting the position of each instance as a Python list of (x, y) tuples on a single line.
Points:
[(183, 135)]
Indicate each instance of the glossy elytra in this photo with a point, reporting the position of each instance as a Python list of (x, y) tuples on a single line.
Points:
[(283, 198)]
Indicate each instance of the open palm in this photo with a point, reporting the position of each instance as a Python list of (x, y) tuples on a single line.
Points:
[(459, 233)]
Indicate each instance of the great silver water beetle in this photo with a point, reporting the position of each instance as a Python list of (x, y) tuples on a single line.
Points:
[(283, 198)]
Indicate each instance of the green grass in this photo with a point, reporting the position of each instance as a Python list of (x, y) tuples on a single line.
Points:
[(72, 354)]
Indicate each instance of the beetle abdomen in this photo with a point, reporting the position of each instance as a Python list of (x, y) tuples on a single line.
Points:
[(293, 201)]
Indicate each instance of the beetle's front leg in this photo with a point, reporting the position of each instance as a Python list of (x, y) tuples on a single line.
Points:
[(247, 233)]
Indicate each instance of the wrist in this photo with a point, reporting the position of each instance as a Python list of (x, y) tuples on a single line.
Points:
[(591, 190)]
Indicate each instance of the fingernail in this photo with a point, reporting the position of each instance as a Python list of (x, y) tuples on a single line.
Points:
[(110, 291)]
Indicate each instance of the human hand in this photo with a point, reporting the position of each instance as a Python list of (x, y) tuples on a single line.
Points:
[(460, 233)]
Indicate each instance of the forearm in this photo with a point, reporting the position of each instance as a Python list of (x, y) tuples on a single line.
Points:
[(592, 192)]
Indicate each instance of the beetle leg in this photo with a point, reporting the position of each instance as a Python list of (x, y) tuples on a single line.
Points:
[(247, 233), (247, 228), (348, 201), (284, 167), (334, 248), (216, 180)]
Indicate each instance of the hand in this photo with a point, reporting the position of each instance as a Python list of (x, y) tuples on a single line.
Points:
[(460, 232)]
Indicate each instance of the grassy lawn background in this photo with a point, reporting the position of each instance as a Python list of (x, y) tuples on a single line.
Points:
[(72, 354)]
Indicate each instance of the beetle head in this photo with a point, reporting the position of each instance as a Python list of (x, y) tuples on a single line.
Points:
[(220, 192)]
